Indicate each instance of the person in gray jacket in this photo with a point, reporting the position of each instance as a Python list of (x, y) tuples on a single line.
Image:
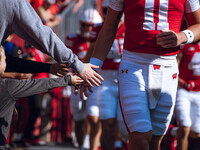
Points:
[(13, 89), (18, 16)]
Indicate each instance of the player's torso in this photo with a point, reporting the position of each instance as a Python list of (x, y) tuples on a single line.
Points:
[(190, 63), (78, 45), (144, 19)]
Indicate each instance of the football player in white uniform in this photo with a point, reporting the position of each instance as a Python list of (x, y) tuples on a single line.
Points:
[(79, 44), (148, 72), (187, 108)]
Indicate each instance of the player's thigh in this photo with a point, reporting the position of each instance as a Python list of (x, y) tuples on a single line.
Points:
[(162, 114), (121, 125), (133, 96)]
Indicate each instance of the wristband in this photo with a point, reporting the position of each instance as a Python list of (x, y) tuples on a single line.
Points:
[(190, 36), (97, 62)]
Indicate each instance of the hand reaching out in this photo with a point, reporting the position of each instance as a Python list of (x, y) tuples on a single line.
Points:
[(83, 90), (81, 85), (76, 80), (59, 69), (90, 76)]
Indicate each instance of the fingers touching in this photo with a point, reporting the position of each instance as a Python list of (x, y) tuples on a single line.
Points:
[(59, 69), (91, 76)]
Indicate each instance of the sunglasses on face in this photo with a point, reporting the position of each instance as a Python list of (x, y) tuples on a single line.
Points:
[(86, 24)]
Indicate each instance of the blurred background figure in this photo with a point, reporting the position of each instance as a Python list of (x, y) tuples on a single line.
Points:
[(79, 43), (39, 105), (106, 96), (11, 48), (47, 15), (187, 108)]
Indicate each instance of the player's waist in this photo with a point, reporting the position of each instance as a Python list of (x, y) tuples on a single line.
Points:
[(146, 58), (146, 42), (151, 49)]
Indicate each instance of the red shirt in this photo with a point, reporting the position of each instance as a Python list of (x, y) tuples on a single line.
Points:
[(77, 44), (142, 27)]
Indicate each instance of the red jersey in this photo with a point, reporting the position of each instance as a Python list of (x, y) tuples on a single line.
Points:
[(189, 67), (144, 19), (113, 58), (77, 44)]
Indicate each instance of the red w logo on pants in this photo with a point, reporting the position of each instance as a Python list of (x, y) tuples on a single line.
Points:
[(156, 67), (174, 76)]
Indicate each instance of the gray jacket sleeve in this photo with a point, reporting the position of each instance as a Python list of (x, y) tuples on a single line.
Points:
[(28, 25), (24, 88)]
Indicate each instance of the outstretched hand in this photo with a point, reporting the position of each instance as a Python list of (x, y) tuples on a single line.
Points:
[(83, 90), (59, 69), (90, 76), (76, 80), (169, 39)]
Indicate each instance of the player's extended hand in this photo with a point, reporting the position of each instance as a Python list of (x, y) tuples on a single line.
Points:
[(169, 39), (83, 90), (91, 76), (59, 69)]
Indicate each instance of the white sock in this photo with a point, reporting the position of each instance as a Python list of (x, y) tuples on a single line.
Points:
[(86, 141), (74, 140)]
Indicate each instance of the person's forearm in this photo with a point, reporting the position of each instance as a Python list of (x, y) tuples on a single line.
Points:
[(196, 31), (15, 75), (29, 26), (103, 44), (107, 35), (24, 88), (193, 20), (15, 64), (89, 53)]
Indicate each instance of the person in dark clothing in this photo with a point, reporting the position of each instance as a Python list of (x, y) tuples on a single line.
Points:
[(15, 64), (13, 89)]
